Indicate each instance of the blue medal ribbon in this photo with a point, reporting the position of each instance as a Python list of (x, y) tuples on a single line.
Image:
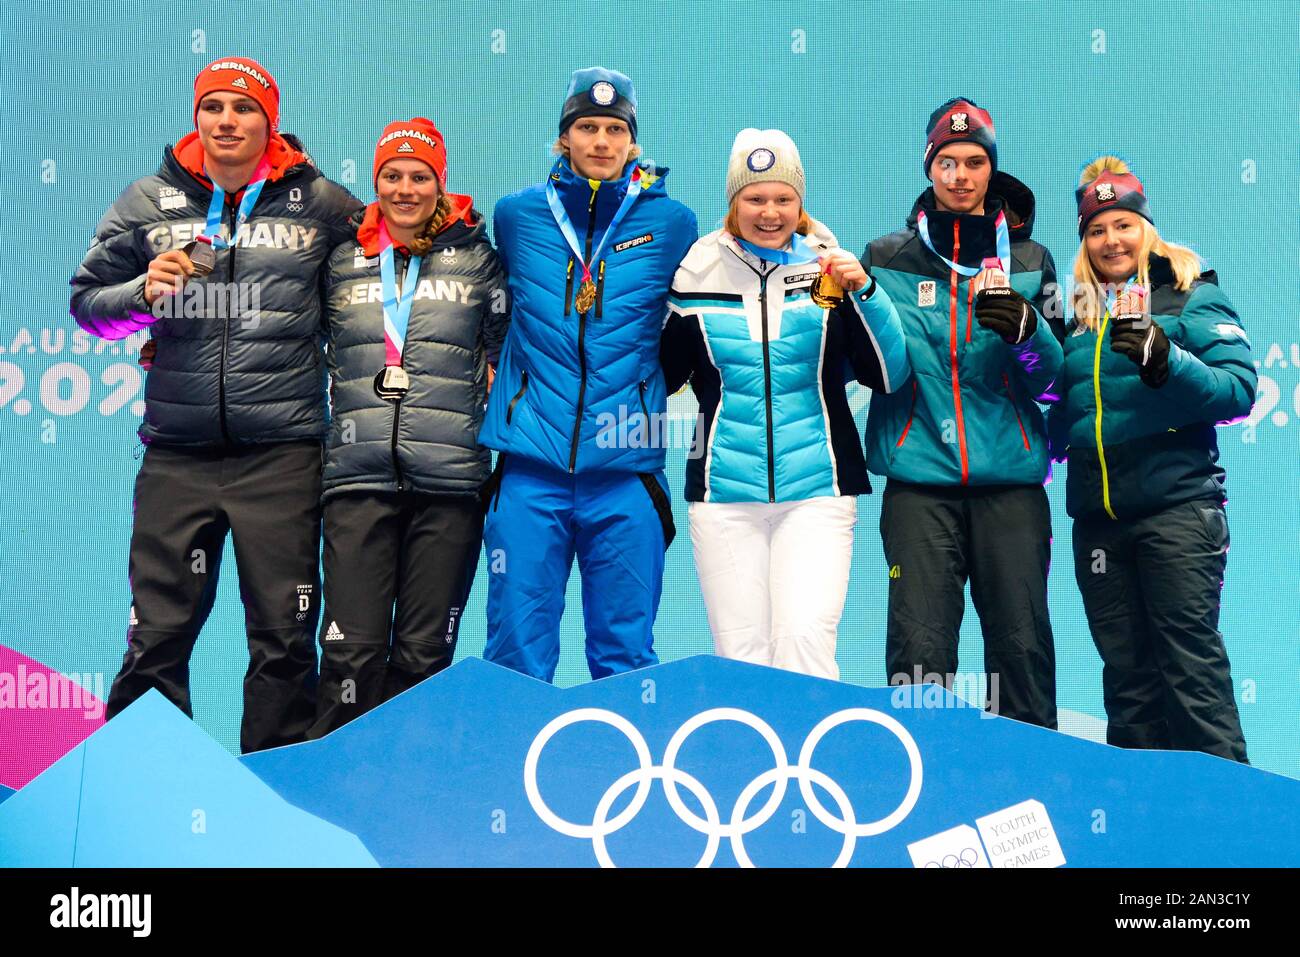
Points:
[(397, 311), (217, 207), (566, 227), (799, 251)]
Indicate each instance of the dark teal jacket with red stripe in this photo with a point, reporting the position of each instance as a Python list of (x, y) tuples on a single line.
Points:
[(970, 415)]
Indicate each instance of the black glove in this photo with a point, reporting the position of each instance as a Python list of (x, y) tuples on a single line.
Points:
[(1007, 313), (1140, 338)]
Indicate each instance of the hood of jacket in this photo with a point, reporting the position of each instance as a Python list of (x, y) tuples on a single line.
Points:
[(1161, 272)]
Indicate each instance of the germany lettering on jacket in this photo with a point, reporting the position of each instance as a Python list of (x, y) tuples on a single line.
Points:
[(639, 241), (251, 235), (447, 290)]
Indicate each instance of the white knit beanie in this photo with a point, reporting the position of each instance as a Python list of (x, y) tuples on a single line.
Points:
[(763, 156)]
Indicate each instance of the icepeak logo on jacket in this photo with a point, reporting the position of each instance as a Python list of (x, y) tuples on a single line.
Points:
[(632, 243), (562, 370), (767, 364), (971, 416), (1157, 447)]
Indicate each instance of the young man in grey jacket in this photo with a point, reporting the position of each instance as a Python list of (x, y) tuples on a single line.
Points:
[(220, 255)]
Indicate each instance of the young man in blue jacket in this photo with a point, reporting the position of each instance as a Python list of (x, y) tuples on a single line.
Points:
[(578, 396), (964, 447)]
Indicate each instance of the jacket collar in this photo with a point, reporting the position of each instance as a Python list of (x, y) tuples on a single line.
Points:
[(978, 231), (284, 152), (811, 245), (571, 185), (1005, 193), (1161, 272)]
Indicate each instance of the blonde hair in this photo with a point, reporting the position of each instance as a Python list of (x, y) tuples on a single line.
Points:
[(1089, 297), (559, 149), (422, 244), (732, 223)]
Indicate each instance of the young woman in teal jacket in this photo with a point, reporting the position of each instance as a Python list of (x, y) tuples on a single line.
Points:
[(1155, 358)]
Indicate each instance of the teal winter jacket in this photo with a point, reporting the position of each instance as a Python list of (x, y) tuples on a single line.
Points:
[(1134, 450), (970, 414)]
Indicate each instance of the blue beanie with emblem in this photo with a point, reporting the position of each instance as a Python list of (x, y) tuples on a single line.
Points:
[(596, 91)]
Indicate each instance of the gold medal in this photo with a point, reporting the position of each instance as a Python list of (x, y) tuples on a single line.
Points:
[(826, 292), (586, 296)]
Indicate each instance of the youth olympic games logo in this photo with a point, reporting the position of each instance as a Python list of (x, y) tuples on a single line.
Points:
[(711, 825), (761, 159)]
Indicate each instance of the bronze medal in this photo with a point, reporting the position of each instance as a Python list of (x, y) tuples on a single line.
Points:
[(826, 292), (586, 296), (202, 255)]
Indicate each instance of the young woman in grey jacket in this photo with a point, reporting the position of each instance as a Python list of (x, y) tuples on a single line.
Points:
[(417, 309)]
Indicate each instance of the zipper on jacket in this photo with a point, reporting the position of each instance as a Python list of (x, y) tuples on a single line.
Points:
[(767, 390), (582, 338), (225, 332), (767, 372), (397, 405), (600, 289), (568, 288), (644, 411), (910, 412), (1096, 395), (970, 306), (1024, 437), (952, 350), (397, 468), (510, 409)]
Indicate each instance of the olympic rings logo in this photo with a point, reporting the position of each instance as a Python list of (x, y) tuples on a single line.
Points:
[(712, 825), (969, 857)]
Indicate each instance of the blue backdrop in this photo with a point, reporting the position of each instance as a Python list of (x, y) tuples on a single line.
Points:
[(1202, 98)]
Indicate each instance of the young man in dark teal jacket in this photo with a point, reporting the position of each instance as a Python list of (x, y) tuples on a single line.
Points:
[(964, 447)]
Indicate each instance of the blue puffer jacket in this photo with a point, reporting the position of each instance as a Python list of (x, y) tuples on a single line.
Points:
[(768, 367), (565, 377), (970, 415)]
